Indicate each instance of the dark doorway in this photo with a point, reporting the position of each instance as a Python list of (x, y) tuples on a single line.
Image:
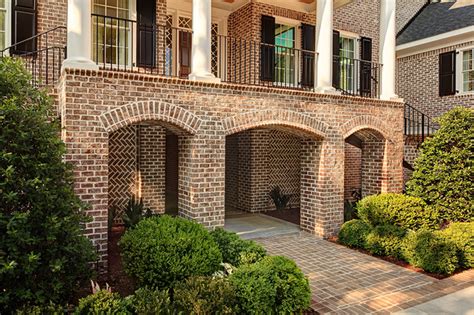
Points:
[(171, 175), (146, 33)]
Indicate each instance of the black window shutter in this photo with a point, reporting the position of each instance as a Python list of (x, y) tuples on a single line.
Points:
[(308, 44), (336, 69), (365, 67), (23, 25), (447, 73), (267, 51), (146, 46)]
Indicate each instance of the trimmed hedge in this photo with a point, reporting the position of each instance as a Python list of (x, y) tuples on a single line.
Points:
[(102, 302), (273, 285), (354, 233), (205, 295), (386, 240), (397, 209), (430, 252), (462, 235), (235, 250), (149, 301), (161, 251)]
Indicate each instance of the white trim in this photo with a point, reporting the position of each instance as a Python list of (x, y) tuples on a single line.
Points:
[(459, 71), (436, 42), (8, 24)]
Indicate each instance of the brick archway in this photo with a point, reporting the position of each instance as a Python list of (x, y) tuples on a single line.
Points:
[(284, 119), (175, 117), (359, 123)]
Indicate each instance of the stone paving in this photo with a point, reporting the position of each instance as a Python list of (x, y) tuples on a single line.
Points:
[(345, 281)]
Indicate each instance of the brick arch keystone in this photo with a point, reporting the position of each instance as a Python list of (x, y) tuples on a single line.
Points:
[(363, 122), (150, 110), (279, 117)]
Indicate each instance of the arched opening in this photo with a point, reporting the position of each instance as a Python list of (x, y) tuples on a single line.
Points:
[(263, 179)]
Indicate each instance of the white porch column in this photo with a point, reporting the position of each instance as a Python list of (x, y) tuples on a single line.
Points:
[(324, 35), (201, 44), (79, 35), (387, 49)]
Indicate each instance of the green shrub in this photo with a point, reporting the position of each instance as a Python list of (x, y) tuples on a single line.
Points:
[(163, 250), (386, 240), (444, 169), (430, 252), (279, 198), (405, 211), (354, 233), (102, 302), (48, 309), (134, 212), (273, 285), (146, 301), (462, 235), (43, 252), (205, 295), (235, 250)]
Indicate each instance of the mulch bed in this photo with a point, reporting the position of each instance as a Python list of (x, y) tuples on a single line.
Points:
[(400, 262)]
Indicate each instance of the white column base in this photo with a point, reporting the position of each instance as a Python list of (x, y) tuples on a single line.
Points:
[(204, 77), (394, 98), (83, 64), (327, 90)]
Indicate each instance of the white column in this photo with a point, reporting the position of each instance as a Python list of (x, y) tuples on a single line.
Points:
[(79, 35), (324, 18), (387, 49), (201, 44)]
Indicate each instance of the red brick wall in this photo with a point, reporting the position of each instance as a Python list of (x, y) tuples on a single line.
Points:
[(352, 170)]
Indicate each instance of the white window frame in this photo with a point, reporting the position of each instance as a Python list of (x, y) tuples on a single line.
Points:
[(296, 24), (8, 26), (459, 71), (356, 38)]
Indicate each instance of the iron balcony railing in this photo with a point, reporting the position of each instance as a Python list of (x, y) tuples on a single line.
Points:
[(356, 77), (417, 124), (43, 55)]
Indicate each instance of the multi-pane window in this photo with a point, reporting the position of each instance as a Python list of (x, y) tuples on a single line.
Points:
[(3, 24), (285, 54), (111, 32), (347, 55), (468, 70)]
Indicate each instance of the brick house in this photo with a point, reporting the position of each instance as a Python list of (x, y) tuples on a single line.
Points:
[(435, 65), (203, 107)]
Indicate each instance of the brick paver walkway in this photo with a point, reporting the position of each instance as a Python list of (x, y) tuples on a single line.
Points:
[(344, 281)]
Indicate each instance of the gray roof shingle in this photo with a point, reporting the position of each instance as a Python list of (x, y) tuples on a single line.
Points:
[(435, 19)]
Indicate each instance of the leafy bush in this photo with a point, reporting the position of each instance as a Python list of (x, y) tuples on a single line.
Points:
[(444, 169), (163, 250), (273, 285), (146, 301), (430, 252), (354, 233), (205, 295), (279, 199), (386, 240), (235, 250), (49, 309), (397, 209), (462, 235), (134, 212), (43, 253), (102, 302)]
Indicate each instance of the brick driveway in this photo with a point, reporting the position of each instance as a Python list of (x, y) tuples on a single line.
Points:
[(344, 281)]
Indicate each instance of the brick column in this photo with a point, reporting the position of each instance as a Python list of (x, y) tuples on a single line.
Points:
[(322, 186), (201, 177), (373, 155)]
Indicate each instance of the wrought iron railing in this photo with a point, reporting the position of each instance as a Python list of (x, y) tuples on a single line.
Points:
[(43, 55), (417, 124), (356, 77)]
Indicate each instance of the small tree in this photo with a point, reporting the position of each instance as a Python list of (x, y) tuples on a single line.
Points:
[(43, 253), (444, 171)]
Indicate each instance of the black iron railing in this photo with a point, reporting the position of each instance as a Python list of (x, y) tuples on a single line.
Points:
[(43, 55), (356, 77), (417, 124)]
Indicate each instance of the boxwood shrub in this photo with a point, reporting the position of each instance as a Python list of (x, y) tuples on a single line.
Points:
[(462, 235), (235, 250), (386, 240), (273, 285), (102, 302), (397, 209), (161, 251), (354, 233), (150, 301), (205, 295), (431, 252)]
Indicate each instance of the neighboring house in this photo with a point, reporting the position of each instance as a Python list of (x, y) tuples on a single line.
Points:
[(205, 107), (435, 65)]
